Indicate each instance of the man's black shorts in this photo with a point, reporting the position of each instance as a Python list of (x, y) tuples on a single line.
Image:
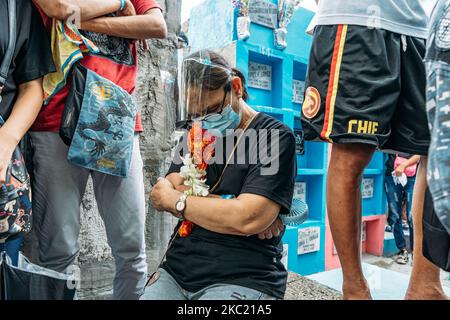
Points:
[(436, 240), (367, 86)]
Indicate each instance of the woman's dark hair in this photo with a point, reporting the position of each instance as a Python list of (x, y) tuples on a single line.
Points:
[(212, 71)]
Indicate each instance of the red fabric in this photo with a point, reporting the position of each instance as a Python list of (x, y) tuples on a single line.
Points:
[(49, 118), (332, 81)]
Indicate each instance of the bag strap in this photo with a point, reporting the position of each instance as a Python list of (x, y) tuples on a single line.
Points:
[(232, 153), (4, 68)]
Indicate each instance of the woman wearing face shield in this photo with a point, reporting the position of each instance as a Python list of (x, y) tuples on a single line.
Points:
[(234, 250)]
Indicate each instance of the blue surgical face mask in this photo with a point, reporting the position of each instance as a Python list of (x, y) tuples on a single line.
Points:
[(224, 123)]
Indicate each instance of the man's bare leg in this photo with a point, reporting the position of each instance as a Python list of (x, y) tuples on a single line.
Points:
[(425, 283), (344, 212)]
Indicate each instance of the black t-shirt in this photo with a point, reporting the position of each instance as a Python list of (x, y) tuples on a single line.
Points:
[(390, 162), (32, 56), (204, 257)]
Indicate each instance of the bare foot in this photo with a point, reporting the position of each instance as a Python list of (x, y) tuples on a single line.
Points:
[(426, 293), (356, 290)]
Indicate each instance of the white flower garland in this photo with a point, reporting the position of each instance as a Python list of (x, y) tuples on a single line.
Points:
[(193, 178)]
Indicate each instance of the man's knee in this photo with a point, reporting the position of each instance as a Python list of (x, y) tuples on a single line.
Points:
[(351, 159), (129, 250)]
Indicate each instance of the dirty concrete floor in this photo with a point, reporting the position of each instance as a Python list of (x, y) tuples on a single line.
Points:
[(300, 288)]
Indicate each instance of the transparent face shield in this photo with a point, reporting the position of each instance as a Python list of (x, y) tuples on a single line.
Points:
[(206, 92)]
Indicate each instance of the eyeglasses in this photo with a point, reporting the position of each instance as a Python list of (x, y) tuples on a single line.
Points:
[(216, 116)]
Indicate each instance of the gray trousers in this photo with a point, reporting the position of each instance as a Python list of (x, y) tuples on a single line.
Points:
[(57, 193), (167, 288)]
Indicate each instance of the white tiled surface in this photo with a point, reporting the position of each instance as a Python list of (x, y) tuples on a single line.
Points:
[(384, 284)]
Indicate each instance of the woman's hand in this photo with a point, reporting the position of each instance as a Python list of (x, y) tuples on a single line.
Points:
[(400, 170), (164, 196), (273, 231), (183, 188), (7, 146)]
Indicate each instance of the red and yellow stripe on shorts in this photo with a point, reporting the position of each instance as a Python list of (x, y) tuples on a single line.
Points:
[(333, 84)]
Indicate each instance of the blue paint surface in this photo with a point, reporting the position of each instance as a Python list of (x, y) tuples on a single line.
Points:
[(377, 205), (389, 248), (308, 263)]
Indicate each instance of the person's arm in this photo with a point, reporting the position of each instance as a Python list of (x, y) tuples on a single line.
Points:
[(147, 26), (246, 215), (274, 230), (24, 112), (411, 161), (88, 9)]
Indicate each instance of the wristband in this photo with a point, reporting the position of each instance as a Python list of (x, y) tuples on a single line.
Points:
[(123, 4), (227, 196)]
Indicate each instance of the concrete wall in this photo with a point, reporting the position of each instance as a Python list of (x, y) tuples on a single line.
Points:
[(158, 113)]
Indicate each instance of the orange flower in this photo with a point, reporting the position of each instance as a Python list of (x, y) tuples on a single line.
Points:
[(199, 141), (201, 147), (185, 229)]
